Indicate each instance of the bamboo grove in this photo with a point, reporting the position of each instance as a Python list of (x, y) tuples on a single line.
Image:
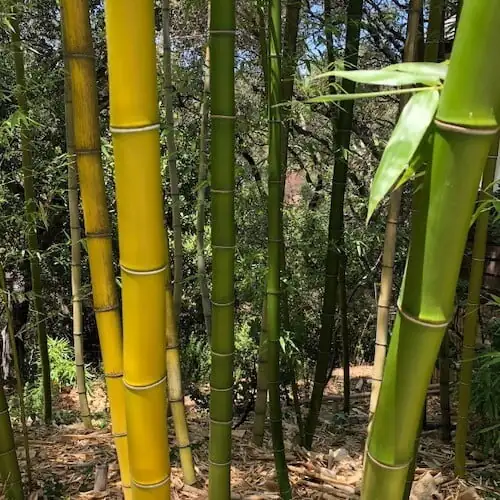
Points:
[(125, 171)]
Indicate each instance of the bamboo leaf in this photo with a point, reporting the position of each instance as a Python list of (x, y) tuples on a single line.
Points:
[(426, 70), (409, 132), (391, 78)]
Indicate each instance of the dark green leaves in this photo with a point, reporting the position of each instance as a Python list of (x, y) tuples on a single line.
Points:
[(405, 140)]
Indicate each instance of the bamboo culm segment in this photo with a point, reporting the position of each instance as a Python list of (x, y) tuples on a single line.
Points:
[(335, 223), (390, 237), (222, 54), (10, 475), (274, 245), (472, 313), (31, 216), (75, 234), (259, 423), (172, 158), (174, 386), (464, 129), (201, 197), (79, 55), (134, 123), (19, 378)]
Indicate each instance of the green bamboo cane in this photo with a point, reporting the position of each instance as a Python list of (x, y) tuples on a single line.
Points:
[(201, 201), (464, 129), (30, 209), (262, 381), (17, 368), (10, 475), (172, 158), (344, 330), (274, 245), (222, 53), (472, 314), (343, 138)]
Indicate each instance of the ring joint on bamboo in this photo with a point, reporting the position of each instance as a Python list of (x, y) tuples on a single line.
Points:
[(222, 191), (217, 464), (221, 422), (87, 152), (148, 272), (119, 435), (419, 322), (145, 387), (79, 55), (223, 355), (387, 466), (172, 347), (133, 130), (159, 484), (98, 234), (181, 400), (223, 304), (222, 32), (224, 117), (112, 307), (222, 247), (183, 446), (113, 375), (451, 127), (228, 389)]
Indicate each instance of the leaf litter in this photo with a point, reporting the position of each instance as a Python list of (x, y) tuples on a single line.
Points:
[(65, 458)]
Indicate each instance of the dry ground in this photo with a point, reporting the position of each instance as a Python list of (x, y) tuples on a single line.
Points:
[(65, 457)]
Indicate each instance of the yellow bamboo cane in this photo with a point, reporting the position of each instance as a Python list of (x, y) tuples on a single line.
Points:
[(130, 32), (79, 54), (174, 386)]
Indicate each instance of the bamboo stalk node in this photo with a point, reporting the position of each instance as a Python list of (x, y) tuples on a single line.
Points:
[(148, 272), (452, 127), (159, 484), (227, 389), (217, 464), (223, 32), (417, 321), (224, 117), (223, 304), (133, 130), (79, 55), (8, 452), (119, 435), (84, 152), (98, 234), (103, 309), (221, 422), (113, 375), (171, 347), (145, 387), (387, 466)]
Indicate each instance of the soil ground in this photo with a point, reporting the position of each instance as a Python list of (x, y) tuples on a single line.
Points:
[(64, 457)]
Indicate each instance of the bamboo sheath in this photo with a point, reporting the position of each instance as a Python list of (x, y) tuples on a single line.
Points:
[(222, 54), (472, 313), (465, 125), (75, 234), (31, 215), (172, 158), (10, 475), (130, 32), (79, 54)]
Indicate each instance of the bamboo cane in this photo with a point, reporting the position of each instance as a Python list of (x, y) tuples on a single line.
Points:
[(343, 126), (472, 313), (172, 158), (86, 129), (134, 124), (75, 233), (10, 474), (465, 126), (222, 54), (19, 376), (262, 381), (31, 214), (201, 201)]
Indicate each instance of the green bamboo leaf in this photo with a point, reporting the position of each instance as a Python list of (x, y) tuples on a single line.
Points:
[(384, 76), (409, 132), (426, 70)]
